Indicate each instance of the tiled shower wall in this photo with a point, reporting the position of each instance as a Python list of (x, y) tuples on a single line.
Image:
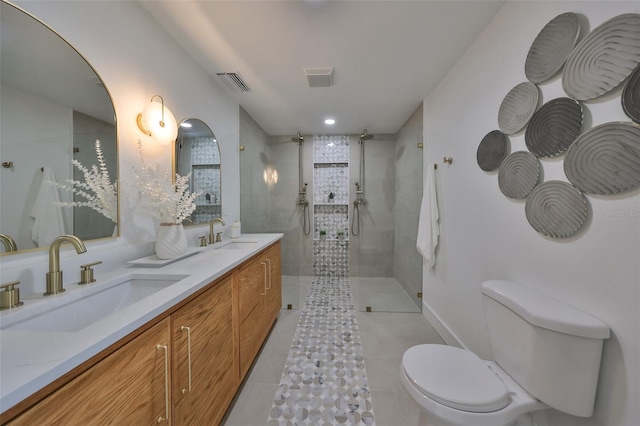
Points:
[(372, 252), (331, 177), (254, 191), (267, 205), (88, 223)]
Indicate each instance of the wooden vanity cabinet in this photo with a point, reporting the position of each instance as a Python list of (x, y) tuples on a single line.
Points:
[(183, 370), (252, 288), (274, 288), (259, 301), (202, 372), (126, 388)]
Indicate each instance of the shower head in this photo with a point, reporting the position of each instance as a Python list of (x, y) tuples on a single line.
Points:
[(365, 136), (298, 138)]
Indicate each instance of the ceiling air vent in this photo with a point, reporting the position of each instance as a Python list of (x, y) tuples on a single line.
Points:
[(319, 77), (234, 81)]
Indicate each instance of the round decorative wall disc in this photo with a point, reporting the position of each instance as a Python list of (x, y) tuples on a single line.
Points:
[(518, 107), (493, 148), (602, 61), (606, 159), (519, 174), (631, 96), (551, 48), (554, 127), (556, 209)]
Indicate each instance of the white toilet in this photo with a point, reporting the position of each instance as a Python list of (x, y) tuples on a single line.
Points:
[(547, 356)]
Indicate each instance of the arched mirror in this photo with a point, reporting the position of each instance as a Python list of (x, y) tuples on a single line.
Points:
[(54, 108), (197, 152)]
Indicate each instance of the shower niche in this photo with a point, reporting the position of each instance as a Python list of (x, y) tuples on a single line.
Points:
[(331, 200)]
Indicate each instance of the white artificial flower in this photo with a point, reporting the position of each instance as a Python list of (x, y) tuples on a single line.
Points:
[(161, 198), (97, 190)]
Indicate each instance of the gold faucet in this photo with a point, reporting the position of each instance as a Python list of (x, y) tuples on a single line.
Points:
[(9, 243), (54, 277), (213, 222)]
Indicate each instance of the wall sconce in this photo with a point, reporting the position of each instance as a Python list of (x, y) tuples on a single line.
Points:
[(270, 176), (158, 122)]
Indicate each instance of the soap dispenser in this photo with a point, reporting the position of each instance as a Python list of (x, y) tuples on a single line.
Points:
[(235, 230)]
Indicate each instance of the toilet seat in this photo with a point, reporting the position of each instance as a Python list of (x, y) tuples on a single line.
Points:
[(455, 377)]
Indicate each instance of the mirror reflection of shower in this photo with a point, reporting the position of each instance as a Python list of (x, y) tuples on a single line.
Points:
[(360, 199), (302, 193)]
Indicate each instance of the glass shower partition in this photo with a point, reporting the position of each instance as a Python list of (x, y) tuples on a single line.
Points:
[(386, 268), (268, 193)]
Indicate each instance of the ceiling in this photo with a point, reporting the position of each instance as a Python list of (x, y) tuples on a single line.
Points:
[(387, 56)]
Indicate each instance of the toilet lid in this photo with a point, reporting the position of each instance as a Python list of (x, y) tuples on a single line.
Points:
[(455, 377)]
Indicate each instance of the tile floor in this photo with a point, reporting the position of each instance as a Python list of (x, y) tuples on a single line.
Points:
[(382, 294), (384, 336)]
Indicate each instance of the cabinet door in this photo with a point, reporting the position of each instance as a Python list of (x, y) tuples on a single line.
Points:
[(126, 388), (203, 376), (252, 288), (274, 288)]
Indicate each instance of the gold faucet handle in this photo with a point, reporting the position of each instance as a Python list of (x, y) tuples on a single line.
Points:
[(10, 297), (203, 241), (218, 237), (86, 273)]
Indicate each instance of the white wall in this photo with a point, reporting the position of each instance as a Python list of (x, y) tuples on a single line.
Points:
[(485, 236), (136, 60)]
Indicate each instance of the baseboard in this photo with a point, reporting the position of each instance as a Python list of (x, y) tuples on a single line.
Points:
[(441, 328)]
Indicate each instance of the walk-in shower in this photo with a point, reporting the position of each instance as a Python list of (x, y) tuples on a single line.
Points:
[(302, 186), (317, 179)]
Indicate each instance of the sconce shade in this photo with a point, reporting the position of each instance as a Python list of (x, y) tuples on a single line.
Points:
[(158, 122)]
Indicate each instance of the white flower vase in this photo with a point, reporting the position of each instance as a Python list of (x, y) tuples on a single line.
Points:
[(171, 240)]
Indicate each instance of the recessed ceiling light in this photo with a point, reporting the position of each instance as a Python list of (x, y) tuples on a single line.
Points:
[(329, 121)]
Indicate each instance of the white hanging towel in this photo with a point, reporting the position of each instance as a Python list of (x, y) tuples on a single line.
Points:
[(48, 223), (428, 229)]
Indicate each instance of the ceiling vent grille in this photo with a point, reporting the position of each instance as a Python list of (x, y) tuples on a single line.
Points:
[(319, 77), (234, 81)]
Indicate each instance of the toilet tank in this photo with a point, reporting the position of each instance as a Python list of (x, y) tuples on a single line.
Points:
[(551, 349)]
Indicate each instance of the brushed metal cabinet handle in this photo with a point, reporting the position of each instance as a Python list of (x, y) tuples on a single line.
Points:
[(188, 329), (166, 383)]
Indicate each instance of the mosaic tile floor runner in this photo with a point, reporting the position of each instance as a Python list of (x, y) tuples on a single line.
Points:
[(324, 381)]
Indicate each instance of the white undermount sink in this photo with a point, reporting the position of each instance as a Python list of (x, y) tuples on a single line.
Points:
[(93, 306), (232, 244)]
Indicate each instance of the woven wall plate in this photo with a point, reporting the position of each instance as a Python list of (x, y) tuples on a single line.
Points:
[(518, 107), (602, 61), (606, 159), (551, 48), (631, 96), (556, 209), (519, 174), (554, 127), (492, 150)]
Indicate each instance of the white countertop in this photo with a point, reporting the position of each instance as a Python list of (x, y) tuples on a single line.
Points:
[(30, 360)]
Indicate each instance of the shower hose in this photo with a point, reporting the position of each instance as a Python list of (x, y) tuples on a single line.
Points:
[(355, 226), (306, 222)]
